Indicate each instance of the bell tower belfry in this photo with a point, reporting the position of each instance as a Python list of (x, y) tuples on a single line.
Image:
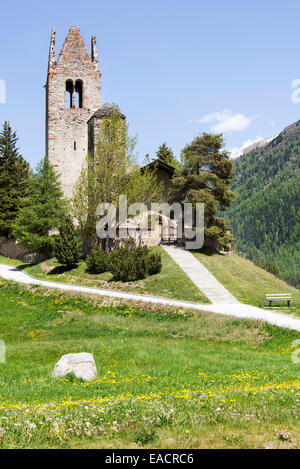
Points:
[(73, 94)]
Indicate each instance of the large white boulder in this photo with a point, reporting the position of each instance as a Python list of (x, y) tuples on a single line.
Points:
[(81, 364)]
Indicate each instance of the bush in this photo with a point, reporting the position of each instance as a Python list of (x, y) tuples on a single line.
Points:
[(126, 265), (154, 263), (129, 264), (66, 245), (98, 261)]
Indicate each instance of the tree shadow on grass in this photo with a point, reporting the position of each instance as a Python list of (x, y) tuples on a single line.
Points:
[(23, 266), (207, 252), (61, 269)]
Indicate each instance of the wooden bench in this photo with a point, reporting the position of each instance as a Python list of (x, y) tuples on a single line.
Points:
[(280, 296)]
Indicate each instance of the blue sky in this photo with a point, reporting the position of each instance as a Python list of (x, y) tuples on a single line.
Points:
[(176, 68)]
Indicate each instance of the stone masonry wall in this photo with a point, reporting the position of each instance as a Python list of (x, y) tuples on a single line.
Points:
[(10, 248)]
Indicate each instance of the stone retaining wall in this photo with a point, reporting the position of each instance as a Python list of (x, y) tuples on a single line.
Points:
[(9, 247)]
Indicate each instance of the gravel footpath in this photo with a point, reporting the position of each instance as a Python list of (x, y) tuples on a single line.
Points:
[(239, 310)]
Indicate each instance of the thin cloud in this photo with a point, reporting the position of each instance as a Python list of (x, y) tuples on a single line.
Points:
[(225, 121)]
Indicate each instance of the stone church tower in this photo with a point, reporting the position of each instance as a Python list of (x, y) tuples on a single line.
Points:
[(73, 94)]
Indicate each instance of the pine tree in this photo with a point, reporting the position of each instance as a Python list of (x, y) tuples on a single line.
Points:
[(66, 244), (205, 178), (14, 177), (166, 155), (42, 210)]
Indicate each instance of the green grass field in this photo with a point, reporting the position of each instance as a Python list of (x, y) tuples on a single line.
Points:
[(171, 282), (246, 281), (167, 379)]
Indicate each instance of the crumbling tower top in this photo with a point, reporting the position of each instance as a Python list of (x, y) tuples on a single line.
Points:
[(73, 94)]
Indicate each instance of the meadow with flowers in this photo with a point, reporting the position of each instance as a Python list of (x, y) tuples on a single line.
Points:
[(166, 378)]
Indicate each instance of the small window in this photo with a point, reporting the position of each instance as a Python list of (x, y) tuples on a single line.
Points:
[(78, 94), (69, 93), (74, 146)]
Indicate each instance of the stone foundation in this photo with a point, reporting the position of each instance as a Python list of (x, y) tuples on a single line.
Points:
[(215, 246)]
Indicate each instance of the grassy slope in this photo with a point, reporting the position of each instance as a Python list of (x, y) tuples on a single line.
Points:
[(166, 378), (171, 282), (241, 277), (245, 280)]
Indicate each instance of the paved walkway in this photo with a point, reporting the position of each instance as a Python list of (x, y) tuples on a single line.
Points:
[(239, 310), (199, 275)]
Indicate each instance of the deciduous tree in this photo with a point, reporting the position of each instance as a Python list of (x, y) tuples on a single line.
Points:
[(111, 172)]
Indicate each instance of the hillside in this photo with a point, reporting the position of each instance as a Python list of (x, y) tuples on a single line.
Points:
[(265, 216), (246, 281), (257, 145)]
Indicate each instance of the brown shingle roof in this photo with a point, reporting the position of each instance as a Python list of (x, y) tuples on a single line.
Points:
[(106, 110)]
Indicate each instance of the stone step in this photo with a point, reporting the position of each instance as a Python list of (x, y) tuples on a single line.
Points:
[(200, 275)]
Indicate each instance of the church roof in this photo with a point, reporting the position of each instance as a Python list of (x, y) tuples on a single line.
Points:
[(106, 110), (159, 164), (73, 54)]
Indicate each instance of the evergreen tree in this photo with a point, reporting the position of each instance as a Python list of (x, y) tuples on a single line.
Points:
[(166, 155), (66, 244), (205, 178), (265, 216), (14, 177), (42, 210)]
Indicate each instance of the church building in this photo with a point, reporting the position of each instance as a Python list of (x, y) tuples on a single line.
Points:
[(74, 111)]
